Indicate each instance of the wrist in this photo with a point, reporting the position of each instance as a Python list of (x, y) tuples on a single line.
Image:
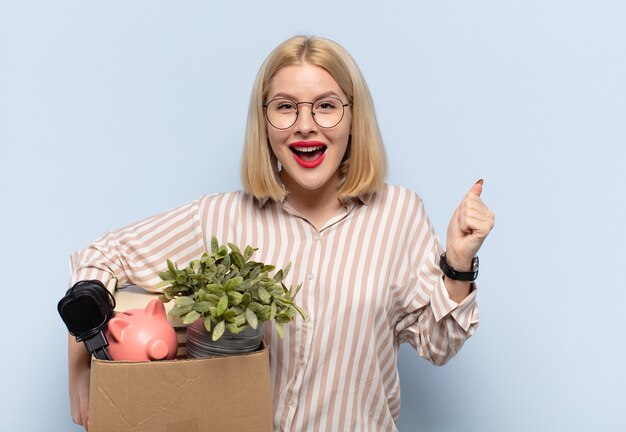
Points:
[(457, 263), (457, 290), (456, 271)]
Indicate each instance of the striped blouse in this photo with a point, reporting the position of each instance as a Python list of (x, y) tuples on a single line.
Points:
[(370, 282)]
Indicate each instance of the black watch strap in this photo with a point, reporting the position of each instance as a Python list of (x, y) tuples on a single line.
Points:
[(453, 274)]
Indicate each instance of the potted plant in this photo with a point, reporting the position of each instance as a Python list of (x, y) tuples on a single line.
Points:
[(225, 293)]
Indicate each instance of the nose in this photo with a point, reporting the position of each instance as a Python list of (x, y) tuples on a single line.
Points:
[(305, 123)]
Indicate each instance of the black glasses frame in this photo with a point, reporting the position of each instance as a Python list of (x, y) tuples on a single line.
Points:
[(343, 112)]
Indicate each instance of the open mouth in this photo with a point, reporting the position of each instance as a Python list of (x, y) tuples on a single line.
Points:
[(308, 155)]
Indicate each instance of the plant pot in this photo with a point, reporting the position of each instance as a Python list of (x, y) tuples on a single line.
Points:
[(200, 343)]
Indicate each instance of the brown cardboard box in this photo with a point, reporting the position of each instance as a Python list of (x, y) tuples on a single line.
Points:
[(213, 394)]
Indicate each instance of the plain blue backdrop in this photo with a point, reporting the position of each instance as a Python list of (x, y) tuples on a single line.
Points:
[(113, 111)]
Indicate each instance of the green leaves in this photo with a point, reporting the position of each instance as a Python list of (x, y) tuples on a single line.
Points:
[(234, 297), (218, 331), (172, 267), (248, 252), (180, 310), (190, 317), (222, 305), (229, 291), (201, 307), (273, 310), (251, 318), (264, 295), (183, 301), (233, 284), (280, 329)]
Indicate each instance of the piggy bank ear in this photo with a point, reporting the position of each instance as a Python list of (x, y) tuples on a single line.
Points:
[(116, 328), (155, 308)]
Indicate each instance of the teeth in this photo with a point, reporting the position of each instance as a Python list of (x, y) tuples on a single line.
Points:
[(307, 149)]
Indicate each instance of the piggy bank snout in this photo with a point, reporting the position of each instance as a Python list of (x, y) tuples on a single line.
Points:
[(157, 349)]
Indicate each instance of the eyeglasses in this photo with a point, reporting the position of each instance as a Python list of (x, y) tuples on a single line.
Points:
[(327, 112)]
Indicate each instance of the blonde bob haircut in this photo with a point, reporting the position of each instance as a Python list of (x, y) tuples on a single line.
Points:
[(364, 166)]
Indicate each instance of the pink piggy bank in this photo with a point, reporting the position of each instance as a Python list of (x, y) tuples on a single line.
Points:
[(142, 334)]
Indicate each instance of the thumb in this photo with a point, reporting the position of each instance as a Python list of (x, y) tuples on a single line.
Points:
[(477, 188)]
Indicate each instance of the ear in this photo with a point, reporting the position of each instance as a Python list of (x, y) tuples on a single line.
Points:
[(116, 328), (155, 308)]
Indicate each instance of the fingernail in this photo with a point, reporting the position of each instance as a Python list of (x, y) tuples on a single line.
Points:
[(480, 181)]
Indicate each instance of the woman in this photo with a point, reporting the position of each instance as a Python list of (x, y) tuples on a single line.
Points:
[(313, 174)]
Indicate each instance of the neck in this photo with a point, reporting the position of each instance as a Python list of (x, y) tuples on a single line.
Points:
[(316, 205)]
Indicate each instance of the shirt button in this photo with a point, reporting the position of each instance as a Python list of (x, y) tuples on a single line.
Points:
[(307, 319), (309, 276), (318, 237), (291, 402)]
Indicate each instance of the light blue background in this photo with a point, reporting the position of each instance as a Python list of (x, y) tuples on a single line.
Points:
[(113, 111)]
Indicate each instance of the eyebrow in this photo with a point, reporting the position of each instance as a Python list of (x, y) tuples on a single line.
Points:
[(321, 95)]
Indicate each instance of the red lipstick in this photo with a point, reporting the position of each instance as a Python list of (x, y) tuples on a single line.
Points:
[(308, 154)]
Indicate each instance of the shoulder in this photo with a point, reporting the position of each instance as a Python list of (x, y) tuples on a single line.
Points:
[(397, 195), (229, 203), (235, 197)]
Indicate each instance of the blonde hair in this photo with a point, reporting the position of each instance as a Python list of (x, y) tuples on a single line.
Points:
[(365, 164)]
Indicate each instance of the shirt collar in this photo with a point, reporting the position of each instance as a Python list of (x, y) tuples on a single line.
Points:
[(363, 198)]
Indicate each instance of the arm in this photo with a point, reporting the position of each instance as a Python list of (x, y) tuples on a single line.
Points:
[(135, 254), (469, 226), (442, 314), (78, 374), (432, 322), (458, 290)]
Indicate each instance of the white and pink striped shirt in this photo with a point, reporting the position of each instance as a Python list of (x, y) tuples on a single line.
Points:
[(370, 282)]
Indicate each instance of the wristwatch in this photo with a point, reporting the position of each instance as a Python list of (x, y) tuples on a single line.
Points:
[(453, 274)]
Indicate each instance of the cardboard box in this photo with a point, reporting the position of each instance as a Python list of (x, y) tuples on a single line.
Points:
[(214, 394)]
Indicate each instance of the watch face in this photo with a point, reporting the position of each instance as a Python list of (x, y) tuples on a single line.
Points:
[(475, 264)]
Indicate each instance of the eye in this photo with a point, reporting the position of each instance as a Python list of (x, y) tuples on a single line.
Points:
[(326, 105), (283, 106)]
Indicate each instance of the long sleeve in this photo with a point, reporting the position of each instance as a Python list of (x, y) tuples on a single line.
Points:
[(369, 282), (137, 253), (436, 326)]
